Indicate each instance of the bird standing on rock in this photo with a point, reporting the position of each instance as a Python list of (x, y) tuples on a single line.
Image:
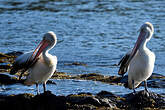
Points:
[(40, 64), (140, 61)]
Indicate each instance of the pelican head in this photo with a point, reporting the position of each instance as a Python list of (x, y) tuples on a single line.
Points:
[(51, 38), (49, 41), (146, 32), (148, 29)]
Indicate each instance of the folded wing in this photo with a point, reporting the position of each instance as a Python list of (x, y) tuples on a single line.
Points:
[(22, 62), (123, 69)]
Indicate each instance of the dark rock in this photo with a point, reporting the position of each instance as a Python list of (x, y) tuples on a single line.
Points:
[(108, 99), (106, 94), (79, 64), (143, 99), (2, 55), (45, 101), (87, 93), (91, 75), (51, 82), (49, 101), (17, 102), (6, 79), (83, 99), (76, 64)]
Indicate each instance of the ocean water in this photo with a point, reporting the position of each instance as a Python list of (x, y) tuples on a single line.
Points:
[(94, 32)]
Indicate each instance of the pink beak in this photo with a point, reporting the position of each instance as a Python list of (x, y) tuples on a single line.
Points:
[(136, 47), (43, 44)]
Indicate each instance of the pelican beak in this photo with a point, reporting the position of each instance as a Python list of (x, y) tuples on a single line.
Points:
[(136, 47), (43, 44)]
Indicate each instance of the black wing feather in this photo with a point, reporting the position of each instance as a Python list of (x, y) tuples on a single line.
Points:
[(24, 67), (123, 69)]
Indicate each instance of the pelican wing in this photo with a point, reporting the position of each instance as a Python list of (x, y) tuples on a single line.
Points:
[(123, 69), (22, 62)]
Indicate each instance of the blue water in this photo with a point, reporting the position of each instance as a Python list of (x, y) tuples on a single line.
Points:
[(95, 32)]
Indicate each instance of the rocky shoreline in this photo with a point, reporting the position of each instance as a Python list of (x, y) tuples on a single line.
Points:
[(103, 100), (83, 101)]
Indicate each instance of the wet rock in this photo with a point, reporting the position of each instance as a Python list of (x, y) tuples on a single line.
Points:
[(83, 101), (2, 56), (45, 101), (97, 77), (99, 100), (108, 99), (91, 75), (6, 79), (62, 75), (156, 81), (79, 64), (51, 82), (9, 57), (106, 94), (16, 102), (49, 101), (143, 99), (5, 62)]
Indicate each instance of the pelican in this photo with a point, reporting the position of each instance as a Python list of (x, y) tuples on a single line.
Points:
[(40, 64), (140, 61)]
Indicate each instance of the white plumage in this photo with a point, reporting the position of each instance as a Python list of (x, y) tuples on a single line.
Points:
[(140, 61), (42, 70), (40, 64), (141, 67)]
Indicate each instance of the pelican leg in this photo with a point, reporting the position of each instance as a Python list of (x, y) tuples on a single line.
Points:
[(44, 86), (37, 89), (133, 86), (145, 85)]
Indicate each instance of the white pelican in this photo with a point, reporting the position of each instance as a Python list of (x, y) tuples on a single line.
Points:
[(40, 64), (140, 61)]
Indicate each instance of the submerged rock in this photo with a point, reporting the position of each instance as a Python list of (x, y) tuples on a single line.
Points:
[(76, 64)]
